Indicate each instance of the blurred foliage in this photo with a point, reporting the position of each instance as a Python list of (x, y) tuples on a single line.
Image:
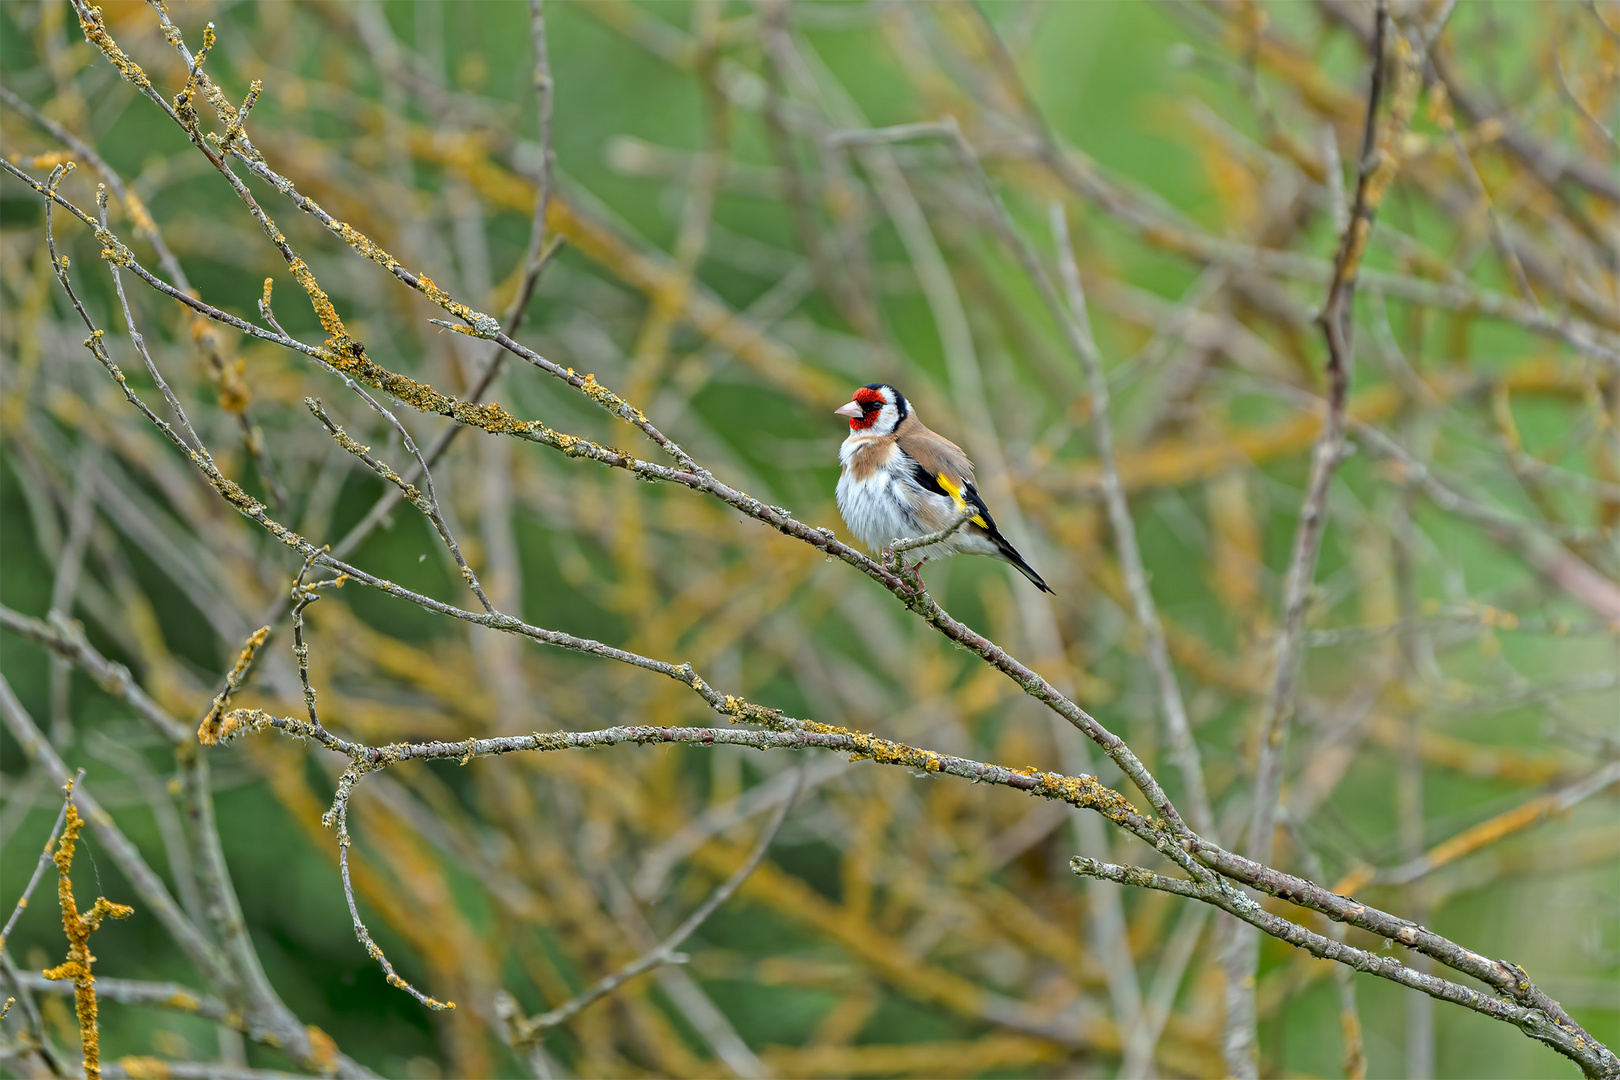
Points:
[(736, 282)]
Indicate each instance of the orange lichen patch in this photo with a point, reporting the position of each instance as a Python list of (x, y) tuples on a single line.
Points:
[(78, 928), (346, 357), (1355, 880), (363, 244), (183, 1001), (1234, 183), (233, 722), (994, 1053), (323, 1050), (234, 122), (349, 357), (228, 380), (145, 1067), (324, 311), (228, 374), (114, 250), (1386, 162), (210, 731), (41, 161), (1497, 618), (1493, 829), (1512, 763), (1084, 791), (182, 100)]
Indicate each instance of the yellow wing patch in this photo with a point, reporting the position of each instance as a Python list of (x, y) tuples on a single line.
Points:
[(955, 491)]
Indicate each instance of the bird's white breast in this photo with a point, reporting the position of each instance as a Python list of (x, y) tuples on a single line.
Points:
[(875, 506), (881, 502)]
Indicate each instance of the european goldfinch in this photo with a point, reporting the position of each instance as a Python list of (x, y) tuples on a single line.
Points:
[(901, 480)]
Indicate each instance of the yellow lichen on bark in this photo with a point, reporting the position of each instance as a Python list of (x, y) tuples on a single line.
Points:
[(76, 968), (210, 731)]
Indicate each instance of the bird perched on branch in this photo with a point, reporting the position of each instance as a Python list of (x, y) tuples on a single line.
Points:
[(900, 480)]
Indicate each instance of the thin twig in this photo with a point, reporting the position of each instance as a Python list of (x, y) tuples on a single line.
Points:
[(1350, 1027), (665, 952), (424, 500), (196, 444), (234, 679), (44, 860), (1082, 791), (910, 543), (77, 926), (208, 339), (360, 931), (1534, 1022), (1504, 824), (305, 597), (1374, 171), (1078, 324), (66, 639)]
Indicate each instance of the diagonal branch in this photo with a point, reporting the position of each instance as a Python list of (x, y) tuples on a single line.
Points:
[(1532, 1020)]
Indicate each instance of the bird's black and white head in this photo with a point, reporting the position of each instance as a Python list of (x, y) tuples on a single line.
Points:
[(875, 409)]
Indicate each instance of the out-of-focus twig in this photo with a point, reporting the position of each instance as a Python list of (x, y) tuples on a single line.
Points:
[(1174, 708), (67, 640), (1375, 169), (665, 953), (1502, 825)]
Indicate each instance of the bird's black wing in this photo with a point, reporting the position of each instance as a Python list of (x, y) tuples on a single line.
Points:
[(969, 494)]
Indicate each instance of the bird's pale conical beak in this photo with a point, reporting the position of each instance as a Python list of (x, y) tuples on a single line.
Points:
[(851, 409)]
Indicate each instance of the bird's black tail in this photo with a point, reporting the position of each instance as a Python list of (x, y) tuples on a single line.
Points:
[(1010, 553)]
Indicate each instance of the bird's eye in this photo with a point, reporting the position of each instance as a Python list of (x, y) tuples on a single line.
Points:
[(872, 406)]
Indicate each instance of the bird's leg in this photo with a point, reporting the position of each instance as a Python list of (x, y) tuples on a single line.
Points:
[(893, 560), (913, 575)]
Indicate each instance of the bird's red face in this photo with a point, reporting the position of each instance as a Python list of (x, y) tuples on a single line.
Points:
[(864, 408)]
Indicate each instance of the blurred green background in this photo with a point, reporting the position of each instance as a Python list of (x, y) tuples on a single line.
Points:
[(1161, 98)]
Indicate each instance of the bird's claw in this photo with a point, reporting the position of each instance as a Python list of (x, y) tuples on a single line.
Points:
[(909, 576)]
